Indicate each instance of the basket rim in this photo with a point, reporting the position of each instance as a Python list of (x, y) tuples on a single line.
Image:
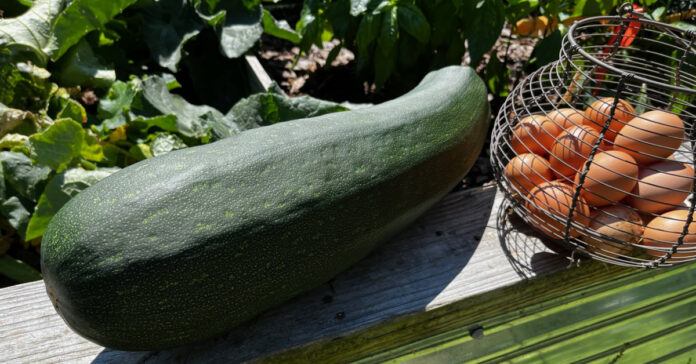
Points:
[(571, 36)]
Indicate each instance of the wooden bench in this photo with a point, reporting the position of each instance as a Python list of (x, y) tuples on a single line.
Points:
[(465, 282)]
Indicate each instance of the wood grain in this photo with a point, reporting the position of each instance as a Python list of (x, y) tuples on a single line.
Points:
[(463, 247), (259, 80)]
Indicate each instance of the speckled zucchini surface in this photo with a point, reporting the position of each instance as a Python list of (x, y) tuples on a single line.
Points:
[(181, 248)]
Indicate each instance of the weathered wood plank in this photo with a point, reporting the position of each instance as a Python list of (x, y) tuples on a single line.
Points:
[(259, 80), (456, 251)]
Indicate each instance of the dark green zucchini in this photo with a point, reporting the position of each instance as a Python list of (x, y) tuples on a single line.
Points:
[(180, 248)]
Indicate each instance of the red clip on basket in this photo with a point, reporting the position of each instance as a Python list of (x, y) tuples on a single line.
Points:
[(596, 149)]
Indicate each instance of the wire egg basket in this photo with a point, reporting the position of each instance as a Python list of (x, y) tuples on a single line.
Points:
[(596, 150)]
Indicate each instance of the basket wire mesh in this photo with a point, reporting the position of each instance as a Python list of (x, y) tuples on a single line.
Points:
[(642, 214)]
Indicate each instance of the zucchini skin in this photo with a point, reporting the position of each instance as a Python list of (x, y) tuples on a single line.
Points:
[(180, 248)]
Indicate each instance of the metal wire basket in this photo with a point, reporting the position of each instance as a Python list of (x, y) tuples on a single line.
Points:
[(595, 149)]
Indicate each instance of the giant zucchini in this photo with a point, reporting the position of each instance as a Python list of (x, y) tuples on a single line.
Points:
[(182, 247)]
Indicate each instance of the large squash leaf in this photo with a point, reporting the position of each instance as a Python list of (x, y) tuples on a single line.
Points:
[(272, 107), (79, 18), (238, 24), (58, 144), (169, 24), (24, 177), (82, 67), (192, 120), (59, 190), (30, 32)]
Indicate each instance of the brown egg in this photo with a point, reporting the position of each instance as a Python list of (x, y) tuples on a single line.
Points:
[(571, 149), (612, 175), (526, 171), (556, 198), (618, 222), (534, 134), (568, 117), (661, 186), (598, 113), (651, 137), (664, 230)]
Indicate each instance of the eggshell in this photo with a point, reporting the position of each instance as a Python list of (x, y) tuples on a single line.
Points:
[(556, 197), (664, 230), (612, 175), (651, 137), (534, 134), (598, 113), (661, 186), (618, 222), (567, 117), (526, 171), (571, 149)]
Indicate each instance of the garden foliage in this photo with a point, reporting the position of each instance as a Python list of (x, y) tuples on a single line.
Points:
[(90, 87)]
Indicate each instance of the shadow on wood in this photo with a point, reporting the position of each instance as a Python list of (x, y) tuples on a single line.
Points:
[(405, 276), (526, 249)]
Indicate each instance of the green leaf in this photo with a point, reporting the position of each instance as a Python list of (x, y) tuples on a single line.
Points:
[(279, 28), (91, 149), (17, 270), (12, 119), (140, 151), (343, 26), (497, 76), (113, 155), (589, 8), (168, 26), (358, 6), (24, 177), (269, 108), (658, 12), (73, 110), (368, 31), (11, 140), (81, 67), (386, 46), (24, 87), (484, 22), (547, 50), (59, 190), (192, 120), (413, 22), (238, 25), (447, 23), (333, 54), (164, 122), (113, 109), (409, 50), (684, 25), (310, 28), (58, 144), (16, 211), (389, 34), (165, 143), (31, 31), (79, 18)]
